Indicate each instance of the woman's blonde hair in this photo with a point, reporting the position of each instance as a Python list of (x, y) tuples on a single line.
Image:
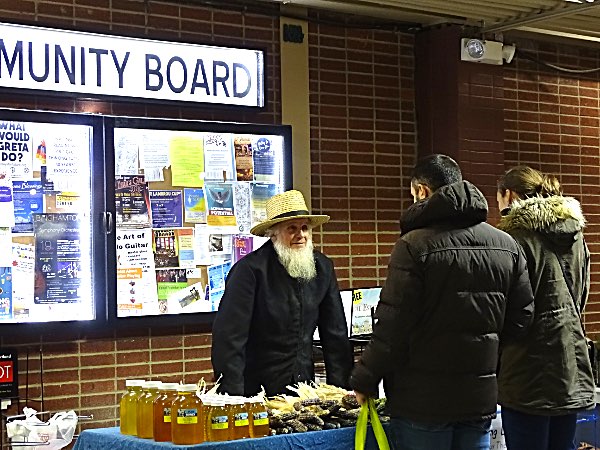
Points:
[(528, 182)]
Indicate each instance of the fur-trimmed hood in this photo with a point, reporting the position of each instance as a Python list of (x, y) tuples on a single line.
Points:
[(556, 216)]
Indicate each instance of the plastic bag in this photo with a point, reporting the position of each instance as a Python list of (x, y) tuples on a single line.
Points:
[(54, 434), (368, 410)]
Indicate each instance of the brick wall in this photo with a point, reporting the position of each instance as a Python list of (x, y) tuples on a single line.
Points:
[(87, 371), (552, 123), (363, 144)]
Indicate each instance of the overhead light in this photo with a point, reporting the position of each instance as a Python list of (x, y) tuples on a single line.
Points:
[(486, 52), (475, 48)]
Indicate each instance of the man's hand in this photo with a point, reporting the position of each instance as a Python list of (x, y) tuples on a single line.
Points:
[(360, 398)]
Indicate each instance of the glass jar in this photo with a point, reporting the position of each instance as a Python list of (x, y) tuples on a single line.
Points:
[(259, 423), (128, 406), (218, 421), (239, 419), (187, 419), (162, 411), (145, 409)]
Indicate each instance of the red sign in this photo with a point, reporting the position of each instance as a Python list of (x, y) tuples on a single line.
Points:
[(6, 371)]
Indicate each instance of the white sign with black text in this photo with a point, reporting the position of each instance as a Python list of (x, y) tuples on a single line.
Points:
[(93, 64)]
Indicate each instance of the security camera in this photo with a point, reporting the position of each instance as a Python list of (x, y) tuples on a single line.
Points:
[(508, 53)]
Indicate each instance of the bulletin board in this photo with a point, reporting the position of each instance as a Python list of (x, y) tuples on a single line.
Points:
[(185, 201)]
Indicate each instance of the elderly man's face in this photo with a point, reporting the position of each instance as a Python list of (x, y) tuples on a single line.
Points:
[(294, 233)]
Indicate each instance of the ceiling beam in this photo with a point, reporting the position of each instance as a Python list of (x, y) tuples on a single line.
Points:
[(537, 17)]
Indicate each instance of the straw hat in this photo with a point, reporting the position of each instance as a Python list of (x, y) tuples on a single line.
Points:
[(286, 206)]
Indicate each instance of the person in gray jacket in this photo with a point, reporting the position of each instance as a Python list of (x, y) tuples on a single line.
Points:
[(457, 289), (547, 378)]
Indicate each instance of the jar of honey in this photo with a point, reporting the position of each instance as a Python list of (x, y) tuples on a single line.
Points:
[(128, 406), (218, 421), (145, 409), (239, 418), (259, 423), (187, 419), (162, 411)]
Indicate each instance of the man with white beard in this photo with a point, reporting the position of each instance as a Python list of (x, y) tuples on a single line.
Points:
[(274, 299)]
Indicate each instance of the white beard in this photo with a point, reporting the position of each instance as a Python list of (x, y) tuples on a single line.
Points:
[(299, 263)]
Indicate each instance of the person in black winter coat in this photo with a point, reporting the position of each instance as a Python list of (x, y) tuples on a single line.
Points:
[(274, 299), (546, 379), (457, 290)]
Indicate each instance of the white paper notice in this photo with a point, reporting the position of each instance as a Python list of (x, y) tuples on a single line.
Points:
[(136, 279), (218, 157), (67, 150), (16, 149), (126, 151), (201, 233), (154, 153), (241, 205), (7, 205), (23, 279), (6, 257)]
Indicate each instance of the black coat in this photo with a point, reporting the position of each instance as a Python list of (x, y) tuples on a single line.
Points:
[(263, 331), (456, 289)]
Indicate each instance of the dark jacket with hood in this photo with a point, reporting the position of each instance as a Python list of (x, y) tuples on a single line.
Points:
[(263, 331), (549, 373), (456, 289)]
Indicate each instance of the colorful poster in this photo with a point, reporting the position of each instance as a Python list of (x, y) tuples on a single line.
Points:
[(364, 302), (187, 159), (241, 200), (170, 281), (219, 198), (165, 247), (216, 281), (16, 150), (126, 152), (166, 209), (57, 258), (6, 291), (189, 299), (47, 185), (267, 156), (244, 167), (132, 201), (195, 205), (218, 158), (7, 210), (136, 279), (259, 196), (28, 199), (185, 245), (242, 245)]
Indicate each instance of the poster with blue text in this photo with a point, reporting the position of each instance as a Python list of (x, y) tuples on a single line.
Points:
[(166, 209), (28, 199)]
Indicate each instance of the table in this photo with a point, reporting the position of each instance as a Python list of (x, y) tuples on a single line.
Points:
[(112, 439)]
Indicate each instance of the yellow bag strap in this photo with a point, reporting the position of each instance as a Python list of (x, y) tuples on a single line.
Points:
[(368, 410)]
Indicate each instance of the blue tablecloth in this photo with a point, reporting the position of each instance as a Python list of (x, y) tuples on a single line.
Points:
[(112, 439)]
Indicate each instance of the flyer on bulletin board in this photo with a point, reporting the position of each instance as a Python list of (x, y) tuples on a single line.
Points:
[(195, 205), (28, 199), (57, 258), (166, 208)]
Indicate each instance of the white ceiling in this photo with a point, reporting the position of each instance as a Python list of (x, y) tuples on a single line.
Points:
[(578, 19)]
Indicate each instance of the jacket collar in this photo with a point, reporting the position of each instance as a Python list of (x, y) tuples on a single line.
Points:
[(552, 215), (460, 204)]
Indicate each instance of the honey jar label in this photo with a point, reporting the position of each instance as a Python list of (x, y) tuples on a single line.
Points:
[(187, 416), (219, 422)]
